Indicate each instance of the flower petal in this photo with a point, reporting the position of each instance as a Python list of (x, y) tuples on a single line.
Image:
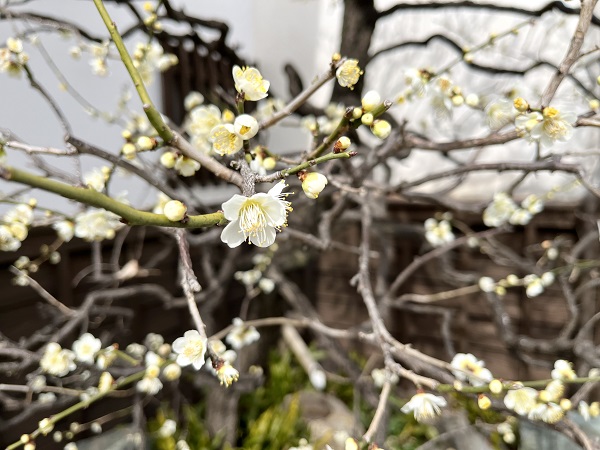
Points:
[(231, 208), (269, 238), (232, 234)]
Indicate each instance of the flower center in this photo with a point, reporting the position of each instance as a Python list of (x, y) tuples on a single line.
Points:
[(253, 219)]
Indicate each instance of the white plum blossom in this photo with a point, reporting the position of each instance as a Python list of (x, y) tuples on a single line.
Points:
[(57, 361), (226, 373), (468, 367), (192, 100), (250, 82), (225, 141), (190, 349), (21, 213), (65, 229), (186, 167), (438, 233), (424, 406), (266, 285), (167, 429), (563, 370), (487, 284), (380, 376), (547, 412), (418, 80), (202, 119), (521, 400), (149, 385), (499, 211), (348, 73), (245, 126), (86, 347), (241, 335), (8, 242), (255, 218), (533, 285), (96, 225), (548, 127), (499, 113)]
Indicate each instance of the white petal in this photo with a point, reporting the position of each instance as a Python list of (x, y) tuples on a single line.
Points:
[(269, 238), (231, 208), (232, 234)]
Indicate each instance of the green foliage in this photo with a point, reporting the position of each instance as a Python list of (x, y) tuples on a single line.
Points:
[(277, 428), (267, 422), (284, 376)]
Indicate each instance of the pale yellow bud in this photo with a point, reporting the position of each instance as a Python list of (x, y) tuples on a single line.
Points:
[(126, 134), (545, 396), (343, 142), (458, 100), (367, 119), (24, 439), (496, 386), (29, 446), (336, 57), (371, 100), (148, 7), (381, 128), (500, 290), (468, 57), (172, 372), (175, 210), (228, 116), (313, 184), (566, 404), (594, 104), (472, 100), (595, 409), (269, 163), (45, 426), (484, 401), (32, 202), (168, 160), (105, 382), (357, 113), (350, 444), (145, 143), (128, 150)]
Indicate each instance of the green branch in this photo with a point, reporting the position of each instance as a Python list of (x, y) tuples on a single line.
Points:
[(305, 165), (91, 197), (510, 385), (153, 115)]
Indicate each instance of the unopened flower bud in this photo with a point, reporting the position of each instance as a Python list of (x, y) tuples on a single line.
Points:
[(468, 57), (484, 401), (168, 160), (566, 404), (313, 184), (357, 113), (269, 163), (336, 57), (146, 143), (343, 143), (367, 119), (175, 210), (472, 100), (228, 116), (45, 426), (128, 150), (381, 128), (126, 134), (594, 104), (496, 386), (458, 100), (105, 382), (172, 372), (371, 100)]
